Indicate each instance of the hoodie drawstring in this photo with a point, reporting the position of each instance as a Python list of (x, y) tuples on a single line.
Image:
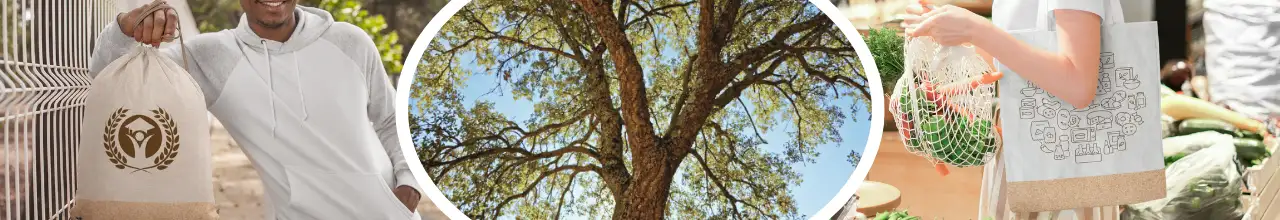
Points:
[(297, 75), (271, 83)]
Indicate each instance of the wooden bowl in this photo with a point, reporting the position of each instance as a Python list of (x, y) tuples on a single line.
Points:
[(876, 197)]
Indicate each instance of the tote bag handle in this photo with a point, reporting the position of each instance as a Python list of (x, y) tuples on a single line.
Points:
[(177, 33), (1043, 12)]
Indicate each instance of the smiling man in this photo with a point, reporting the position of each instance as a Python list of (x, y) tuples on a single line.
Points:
[(306, 97)]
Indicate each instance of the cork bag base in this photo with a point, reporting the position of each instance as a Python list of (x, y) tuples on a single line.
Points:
[(115, 210)]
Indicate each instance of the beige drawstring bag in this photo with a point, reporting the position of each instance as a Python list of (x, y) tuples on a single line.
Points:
[(144, 149)]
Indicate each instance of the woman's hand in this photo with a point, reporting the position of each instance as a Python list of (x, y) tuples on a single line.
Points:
[(948, 25)]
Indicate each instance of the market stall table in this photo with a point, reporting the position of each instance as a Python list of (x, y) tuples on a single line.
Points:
[(925, 193), (1263, 187)]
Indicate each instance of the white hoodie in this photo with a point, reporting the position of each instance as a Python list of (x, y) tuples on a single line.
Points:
[(314, 114)]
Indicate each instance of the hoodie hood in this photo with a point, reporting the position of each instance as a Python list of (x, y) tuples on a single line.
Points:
[(312, 23)]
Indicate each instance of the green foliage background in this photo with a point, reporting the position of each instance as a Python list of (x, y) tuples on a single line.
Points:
[(14, 32)]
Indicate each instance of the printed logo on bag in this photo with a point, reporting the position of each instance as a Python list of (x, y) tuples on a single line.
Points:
[(141, 141)]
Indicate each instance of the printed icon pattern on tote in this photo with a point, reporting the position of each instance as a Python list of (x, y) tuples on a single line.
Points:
[(1115, 107)]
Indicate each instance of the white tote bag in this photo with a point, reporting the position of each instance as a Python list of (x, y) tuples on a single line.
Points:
[(1058, 157), (144, 148)]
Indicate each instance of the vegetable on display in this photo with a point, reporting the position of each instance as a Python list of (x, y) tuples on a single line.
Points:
[(896, 215), (1185, 115), (1251, 152), (1197, 125), (1249, 147), (1182, 107), (1204, 185)]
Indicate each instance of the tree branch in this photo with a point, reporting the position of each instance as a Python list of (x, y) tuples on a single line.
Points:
[(558, 20), (496, 36), (777, 42), (732, 200), (715, 75), (835, 79), (754, 127), (794, 108), (575, 168), (567, 188), (683, 97), (727, 21), (513, 146), (736, 89), (635, 103), (659, 11)]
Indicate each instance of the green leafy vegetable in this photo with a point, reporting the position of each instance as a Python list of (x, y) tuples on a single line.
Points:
[(896, 215), (886, 46)]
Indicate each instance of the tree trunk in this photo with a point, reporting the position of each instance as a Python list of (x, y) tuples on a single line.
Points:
[(610, 141), (646, 198), (654, 161)]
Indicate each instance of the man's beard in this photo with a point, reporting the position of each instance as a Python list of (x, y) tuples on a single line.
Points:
[(273, 25)]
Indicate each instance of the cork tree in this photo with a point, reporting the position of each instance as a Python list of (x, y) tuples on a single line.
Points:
[(640, 109)]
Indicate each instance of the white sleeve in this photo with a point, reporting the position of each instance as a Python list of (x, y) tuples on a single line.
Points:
[(1098, 7), (381, 109)]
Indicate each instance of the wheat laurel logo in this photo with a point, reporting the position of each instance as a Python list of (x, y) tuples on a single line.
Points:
[(141, 137)]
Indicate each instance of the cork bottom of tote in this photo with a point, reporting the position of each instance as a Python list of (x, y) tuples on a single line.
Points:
[(1071, 193), (113, 210)]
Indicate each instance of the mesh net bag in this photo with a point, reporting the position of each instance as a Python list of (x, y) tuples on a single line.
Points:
[(945, 104)]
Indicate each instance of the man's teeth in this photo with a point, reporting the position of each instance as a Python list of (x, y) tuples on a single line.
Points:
[(273, 4)]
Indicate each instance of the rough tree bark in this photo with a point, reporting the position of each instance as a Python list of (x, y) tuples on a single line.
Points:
[(654, 163)]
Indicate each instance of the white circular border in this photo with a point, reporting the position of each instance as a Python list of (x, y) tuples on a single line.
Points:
[(409, 72)]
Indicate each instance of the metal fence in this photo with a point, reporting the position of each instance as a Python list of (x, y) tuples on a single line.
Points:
[(44, 58)]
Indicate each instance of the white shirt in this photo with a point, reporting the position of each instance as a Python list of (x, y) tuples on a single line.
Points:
[(1242, 55), (1013, 15)]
